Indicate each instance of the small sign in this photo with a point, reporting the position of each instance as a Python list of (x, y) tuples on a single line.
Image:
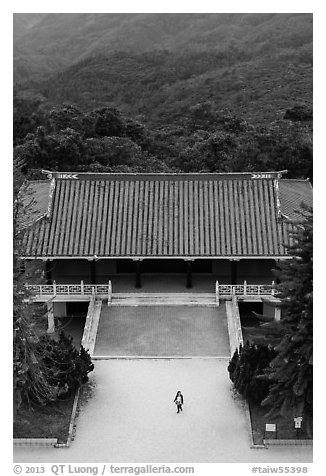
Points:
[(270, 427), (297, 422)]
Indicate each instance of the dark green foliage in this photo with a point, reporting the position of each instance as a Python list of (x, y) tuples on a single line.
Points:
[(109, 123), (299, 113), (28, 113), (233, 363), (59, 151), (291, 372), (228, 144), (65, 117), (66, 367), (246, 367)]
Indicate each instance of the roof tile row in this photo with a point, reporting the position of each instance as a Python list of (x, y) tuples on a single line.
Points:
[(155, 216)]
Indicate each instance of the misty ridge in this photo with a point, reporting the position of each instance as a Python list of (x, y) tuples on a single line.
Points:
[(161, 92)]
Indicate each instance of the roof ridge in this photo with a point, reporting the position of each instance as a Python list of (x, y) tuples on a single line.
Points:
[(162, 175)]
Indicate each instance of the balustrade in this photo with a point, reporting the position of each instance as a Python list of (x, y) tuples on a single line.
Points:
[(69, 289), (244, 289), (221, 290)]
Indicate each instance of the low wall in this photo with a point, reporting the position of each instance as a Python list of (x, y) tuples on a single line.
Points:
[(91, 324), (35, 442), (282, 442), (234, 324)]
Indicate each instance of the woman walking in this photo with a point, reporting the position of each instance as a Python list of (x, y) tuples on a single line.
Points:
[(179, 401)]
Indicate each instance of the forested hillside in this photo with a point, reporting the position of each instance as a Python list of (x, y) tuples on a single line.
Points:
[(191, 92)]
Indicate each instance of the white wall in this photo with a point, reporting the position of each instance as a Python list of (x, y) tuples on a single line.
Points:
[(60, 309), (272, 311)]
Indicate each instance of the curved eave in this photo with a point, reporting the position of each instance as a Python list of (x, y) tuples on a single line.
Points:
[(134, 257)]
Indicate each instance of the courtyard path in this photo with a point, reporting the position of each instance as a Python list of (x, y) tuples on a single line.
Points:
[(130, 417), (162, 331)]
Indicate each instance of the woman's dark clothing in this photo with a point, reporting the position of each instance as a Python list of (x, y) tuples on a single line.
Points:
[(179, 402)]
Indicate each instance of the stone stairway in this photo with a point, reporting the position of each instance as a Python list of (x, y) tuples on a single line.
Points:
[(163, 299)]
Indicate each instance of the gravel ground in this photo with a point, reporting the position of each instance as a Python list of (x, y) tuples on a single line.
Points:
[(129, 417)]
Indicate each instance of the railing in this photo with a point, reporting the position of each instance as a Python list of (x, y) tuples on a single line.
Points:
[(244, 290), (70, 289), (221, 290)]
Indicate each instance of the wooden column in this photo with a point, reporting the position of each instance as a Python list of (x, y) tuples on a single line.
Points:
[(138, 273), (234, 266), (189, 274), (48, 271), (93, 272)]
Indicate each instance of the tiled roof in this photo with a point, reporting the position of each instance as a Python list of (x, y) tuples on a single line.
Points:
[(292, 193), (35, 202), (166, 215)]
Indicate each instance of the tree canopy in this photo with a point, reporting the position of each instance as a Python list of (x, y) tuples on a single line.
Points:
[(207, 139)]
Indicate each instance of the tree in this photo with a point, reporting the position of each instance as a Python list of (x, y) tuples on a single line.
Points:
[(109, 122), (29, 377), (299, 113), (212, 152), (246, 366), (112, 151), (63, 150), (66, 367), (65, 117), (233, 363), (43, 369), (28, 113), (291, 371)]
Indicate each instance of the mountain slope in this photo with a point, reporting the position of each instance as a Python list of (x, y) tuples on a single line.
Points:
[(156, 67), (58, 40), (23, 22), (162, 86)]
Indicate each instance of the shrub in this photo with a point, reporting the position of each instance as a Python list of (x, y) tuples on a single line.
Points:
[(246, 368), (66, 367)]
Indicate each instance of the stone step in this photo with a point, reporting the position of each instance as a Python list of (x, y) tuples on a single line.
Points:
[(163, 295), (163, 299), (165, 303)]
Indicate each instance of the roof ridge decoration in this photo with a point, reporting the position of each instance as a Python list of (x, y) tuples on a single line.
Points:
[(173, 175)]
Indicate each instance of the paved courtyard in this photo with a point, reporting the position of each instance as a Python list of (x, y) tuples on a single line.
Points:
[(130, 417), (162, 331), (126, 413)]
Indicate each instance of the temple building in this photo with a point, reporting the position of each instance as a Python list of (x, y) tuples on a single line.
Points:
[(95, 227)]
